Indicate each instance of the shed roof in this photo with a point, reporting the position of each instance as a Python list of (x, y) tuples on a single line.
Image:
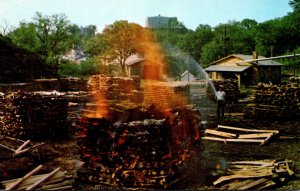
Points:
[(243, 57), (136, 59), (224, 68)]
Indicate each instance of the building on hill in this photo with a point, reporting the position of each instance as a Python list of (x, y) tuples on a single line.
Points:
[(247, 73), (158, 21)]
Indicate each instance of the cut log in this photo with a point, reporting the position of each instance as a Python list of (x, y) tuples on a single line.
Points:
[(219, 133), (46, 177), (257, 135), (252, 184), (247, 130), (16, 184)]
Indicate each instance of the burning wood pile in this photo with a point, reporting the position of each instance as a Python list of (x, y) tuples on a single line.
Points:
[(137, 154), (254, 175), (230, 86), (33, 114), (275, 101)]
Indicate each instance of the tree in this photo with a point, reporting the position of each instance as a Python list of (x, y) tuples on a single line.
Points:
[(49, 36), (121, 39), (295, 4)]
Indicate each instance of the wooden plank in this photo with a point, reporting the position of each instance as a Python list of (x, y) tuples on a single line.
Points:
[(268, 162), (58, 176), (245, 174), (252, 184), (62, 188), (256, 135), (16, 184), (233, 140), (220, 133), (61, 184), (22, 146), (246, 130), (213, 139), (46, 177), (266, 140), (245, 140), (266, 185), (236, 184)]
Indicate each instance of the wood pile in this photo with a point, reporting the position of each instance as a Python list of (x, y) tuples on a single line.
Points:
[(72, 84), (136, 154), (229, 134), (47, 84), (274, 101), (55, 180), (254, 175), (230, 86), (166, 95), (34, 114), (111, 88)]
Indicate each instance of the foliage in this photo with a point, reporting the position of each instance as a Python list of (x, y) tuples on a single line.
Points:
[(85, 68)]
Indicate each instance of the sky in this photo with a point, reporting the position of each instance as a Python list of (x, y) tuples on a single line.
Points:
[(105, 12)]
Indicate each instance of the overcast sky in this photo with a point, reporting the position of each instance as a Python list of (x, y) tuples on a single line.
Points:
[(105, 12)]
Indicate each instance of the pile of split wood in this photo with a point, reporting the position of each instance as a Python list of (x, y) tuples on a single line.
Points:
[(254, 175), (275, 101), (55, 180), (34, 114), (166, 95), (229, 134), (106, 87), (230, 86), (72, 84)]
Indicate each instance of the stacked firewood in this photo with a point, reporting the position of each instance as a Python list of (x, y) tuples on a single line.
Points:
[(294, 80), (11, 123), (230, 86), (141, 153), (275, 101), (34, 114), (47, 84), (254, 175), (72, 84), (107, 87), (166, 95)]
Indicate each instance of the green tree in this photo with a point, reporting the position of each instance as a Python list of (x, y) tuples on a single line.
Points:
[(121, 39), (49, 36), (295, 4), (211, 52)]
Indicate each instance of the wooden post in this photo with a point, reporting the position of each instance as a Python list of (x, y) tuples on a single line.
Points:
[(15, 185), (43, 179)]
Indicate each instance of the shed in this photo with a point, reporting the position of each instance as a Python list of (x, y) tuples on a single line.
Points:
[(246, 73), (187, 76), (144, 68)]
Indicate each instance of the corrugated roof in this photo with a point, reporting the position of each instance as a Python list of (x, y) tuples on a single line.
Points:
[(223, 68), (250, 57)]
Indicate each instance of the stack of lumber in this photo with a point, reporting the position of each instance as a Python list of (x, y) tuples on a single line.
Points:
[(47, 84), (254, 175), (34, 114), (229, 134), (230, 86), (55, 180), (111, 88), (275, 101), (166, 95), (72, 84)]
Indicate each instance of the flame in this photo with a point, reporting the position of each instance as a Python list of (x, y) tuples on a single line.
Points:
[(122, 138)]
